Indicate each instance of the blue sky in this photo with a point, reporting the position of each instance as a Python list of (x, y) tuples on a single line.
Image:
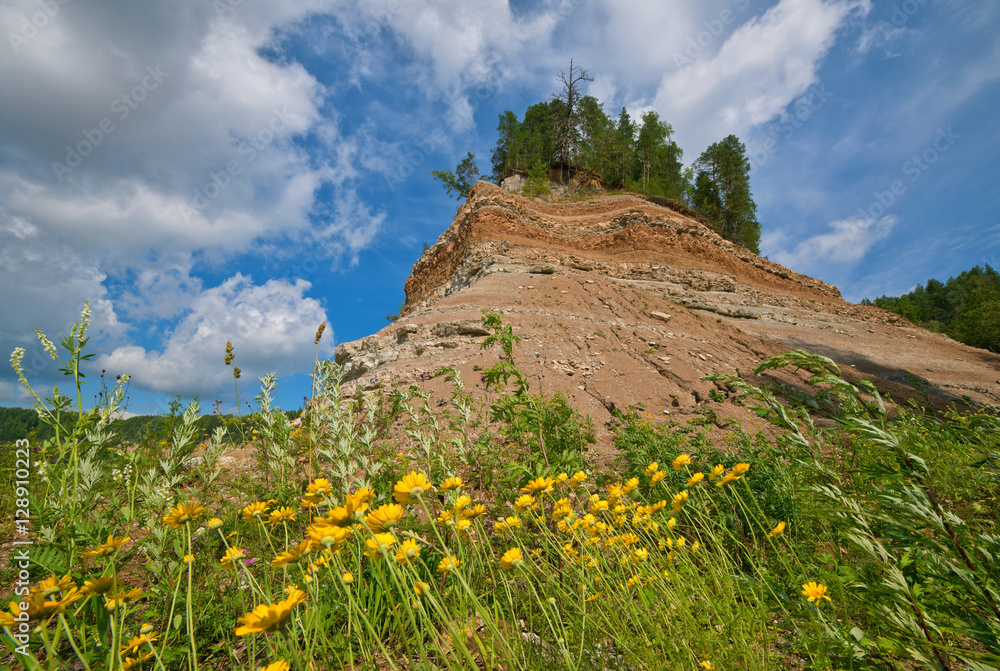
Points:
[(245, 170)]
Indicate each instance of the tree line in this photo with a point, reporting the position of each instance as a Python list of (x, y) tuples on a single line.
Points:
[(18, 423), (572, 133), (966, 307)]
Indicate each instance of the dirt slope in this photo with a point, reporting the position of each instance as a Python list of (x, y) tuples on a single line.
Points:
[(620, 301)]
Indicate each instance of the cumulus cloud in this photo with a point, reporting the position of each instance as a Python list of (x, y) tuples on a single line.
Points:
[(760, 68), (847, 242), (141, 141), (271, 325)]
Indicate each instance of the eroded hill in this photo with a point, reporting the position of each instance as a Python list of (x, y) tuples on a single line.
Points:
[(620, 302)]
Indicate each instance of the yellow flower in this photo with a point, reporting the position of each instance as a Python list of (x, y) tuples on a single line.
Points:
[(776, 530), (814, 591), (411, 488), (475, 511), (577, 479), (707, 665), (695, 479), (656, 477), (255, 511), (462, 502), (269, 618), (630, 484), (279, 515), (408, 551), (188, 559), (524, 503), (138, 641), (679, 500), (182, 514), (451, 483), (347, 578), (214, 523), (448, 565), (511, 559), (681, 461), (130, 663), (97, 586), (540, 485), (322, 532), (652, 468), (716, 472), (384, 517), (421, 588), (357, 503), (640, 554), (316, 492), (232, 555), (598, 505), (292, 555), (379, 545), (507, 525), (52, 584), (562, 479), (735, 473), (280, 665), (108, 548)]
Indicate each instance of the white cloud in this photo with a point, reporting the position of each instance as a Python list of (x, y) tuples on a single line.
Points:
[(272, 327), (139, 139), (756, 73), (848, 241)]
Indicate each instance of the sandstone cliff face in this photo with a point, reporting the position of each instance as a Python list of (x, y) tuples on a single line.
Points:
[(621, 301)]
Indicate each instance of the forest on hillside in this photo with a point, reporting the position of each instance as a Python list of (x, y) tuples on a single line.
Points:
[(966, 307), (18, 423), (572, 134)]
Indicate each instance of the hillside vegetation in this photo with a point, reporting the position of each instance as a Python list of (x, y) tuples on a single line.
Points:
[(966, 307), (570, 134), (397, 530)]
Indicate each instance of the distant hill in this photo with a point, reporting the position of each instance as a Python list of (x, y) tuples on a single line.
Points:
[(16, 423), (966, 307)]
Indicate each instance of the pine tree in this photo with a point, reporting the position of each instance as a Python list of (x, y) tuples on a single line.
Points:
[(463, 179), (722, 192)]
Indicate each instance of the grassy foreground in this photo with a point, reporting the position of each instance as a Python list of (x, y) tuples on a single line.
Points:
[(395, 530)]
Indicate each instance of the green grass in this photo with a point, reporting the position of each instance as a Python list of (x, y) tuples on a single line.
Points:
[(690, 553)]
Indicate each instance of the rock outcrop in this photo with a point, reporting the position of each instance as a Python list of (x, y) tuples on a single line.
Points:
[(621, 301)]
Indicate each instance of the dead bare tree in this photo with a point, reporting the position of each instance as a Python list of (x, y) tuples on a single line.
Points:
[(569, 124)]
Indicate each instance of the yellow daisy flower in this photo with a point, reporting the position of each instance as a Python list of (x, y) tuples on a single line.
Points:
[(814, 591), (448, 565), (255, 511), (109, 548), (316, 492), (285, 558), (232, 555), (269, 618), (540, 485), (279, 515), (411, 488), (408, 551), (182, 514), (384, 517), (511, 559), (451, 483)]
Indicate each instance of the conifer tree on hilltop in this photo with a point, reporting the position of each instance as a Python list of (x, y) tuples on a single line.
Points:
[(571, 132), (722, 192)]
